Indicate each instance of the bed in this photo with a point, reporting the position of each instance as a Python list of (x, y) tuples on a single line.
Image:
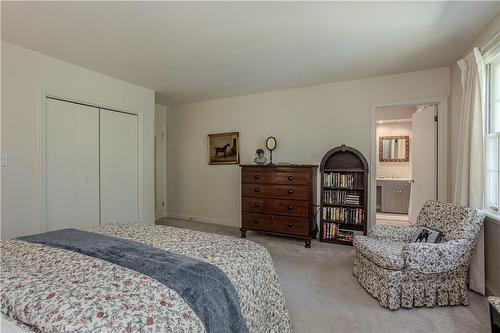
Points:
[(51, 289)]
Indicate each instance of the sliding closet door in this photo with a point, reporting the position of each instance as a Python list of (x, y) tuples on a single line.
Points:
[(71, 171), (119, 167)]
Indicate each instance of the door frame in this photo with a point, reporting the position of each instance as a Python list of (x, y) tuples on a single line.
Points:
[(162, 211), (41, 149), (442, 145)]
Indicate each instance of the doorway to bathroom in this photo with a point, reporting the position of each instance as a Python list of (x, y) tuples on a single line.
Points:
[(407, 141)]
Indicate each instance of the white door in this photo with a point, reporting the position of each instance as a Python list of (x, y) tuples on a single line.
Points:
[(160, 170), (71, 170), (119, 167), (424, 159)]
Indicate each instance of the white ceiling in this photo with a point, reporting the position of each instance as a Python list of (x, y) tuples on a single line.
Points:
[(195, 51)]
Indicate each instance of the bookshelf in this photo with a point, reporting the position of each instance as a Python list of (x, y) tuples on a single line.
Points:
[(344, 195)]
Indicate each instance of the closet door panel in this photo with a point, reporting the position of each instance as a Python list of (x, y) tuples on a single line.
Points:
[(71, 170), (119, 167), (87, 168)]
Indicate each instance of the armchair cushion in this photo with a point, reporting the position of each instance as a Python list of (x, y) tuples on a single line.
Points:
[(393, 232), (430, 258), (386, 254)]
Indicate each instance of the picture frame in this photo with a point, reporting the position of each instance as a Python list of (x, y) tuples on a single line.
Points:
[(224, 148), (427, 235)]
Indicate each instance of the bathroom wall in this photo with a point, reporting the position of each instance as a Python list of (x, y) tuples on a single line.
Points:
[(394, 169)]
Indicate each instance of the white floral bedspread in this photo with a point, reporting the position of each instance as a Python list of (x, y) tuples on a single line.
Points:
[(55, 290)]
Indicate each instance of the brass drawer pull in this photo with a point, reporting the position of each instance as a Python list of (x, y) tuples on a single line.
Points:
[(256, 221), (257, 189), (290, 191), (290, 177), (290, 225), (290, 207), (257, 204), (257, 177)]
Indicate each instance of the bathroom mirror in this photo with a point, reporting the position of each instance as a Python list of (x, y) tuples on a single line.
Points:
[(394, 149)]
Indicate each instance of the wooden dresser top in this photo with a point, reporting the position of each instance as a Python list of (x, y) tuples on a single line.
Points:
[(279, 165)]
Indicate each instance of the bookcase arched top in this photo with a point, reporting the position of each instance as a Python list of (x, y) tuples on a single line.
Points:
[(344, 158)]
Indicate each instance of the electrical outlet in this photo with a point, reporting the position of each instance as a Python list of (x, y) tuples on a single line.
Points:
[(3, 159)]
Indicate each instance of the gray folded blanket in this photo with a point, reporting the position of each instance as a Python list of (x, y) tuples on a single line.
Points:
[(204, 287)]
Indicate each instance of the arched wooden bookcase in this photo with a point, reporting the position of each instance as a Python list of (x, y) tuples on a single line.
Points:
[(344, 195)]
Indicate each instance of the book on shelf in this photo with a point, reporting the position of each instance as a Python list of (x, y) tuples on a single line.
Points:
[(344, 215), (347, 180), (340, 197)]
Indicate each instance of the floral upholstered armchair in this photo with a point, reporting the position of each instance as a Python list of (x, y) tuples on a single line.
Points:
[(403, 274)]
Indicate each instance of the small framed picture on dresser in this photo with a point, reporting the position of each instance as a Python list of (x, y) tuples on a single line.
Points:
[(224, 148)]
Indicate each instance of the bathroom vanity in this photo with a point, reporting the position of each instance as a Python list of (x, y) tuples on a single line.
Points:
[(393, 195)]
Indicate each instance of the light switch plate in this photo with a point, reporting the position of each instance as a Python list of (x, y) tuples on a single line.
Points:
[(3, 159)]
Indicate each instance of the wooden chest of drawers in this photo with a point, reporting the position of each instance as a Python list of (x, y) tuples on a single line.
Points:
[(279, 200)]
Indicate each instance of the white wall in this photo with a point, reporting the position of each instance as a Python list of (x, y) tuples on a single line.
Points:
[(307, 122), (25, 74), (394, 169)]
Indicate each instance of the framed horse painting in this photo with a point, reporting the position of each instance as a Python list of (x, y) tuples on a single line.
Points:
[(224, 148)]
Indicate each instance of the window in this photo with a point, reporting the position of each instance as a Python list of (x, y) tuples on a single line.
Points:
[(492, 139)]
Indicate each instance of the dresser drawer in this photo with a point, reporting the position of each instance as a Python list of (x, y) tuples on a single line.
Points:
[(292, 178), (275, 191), (275, 206), (272, 223), (257, 177)]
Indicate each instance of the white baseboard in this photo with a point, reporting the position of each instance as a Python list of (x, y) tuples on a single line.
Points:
[(203, 219), (492, 290)]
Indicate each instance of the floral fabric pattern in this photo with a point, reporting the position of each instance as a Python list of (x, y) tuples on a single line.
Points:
[(385, 254), (50, 289), (495, 302), (436, 258), (393, 232), (431, 274)]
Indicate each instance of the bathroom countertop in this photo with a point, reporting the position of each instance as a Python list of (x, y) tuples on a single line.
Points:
[(395, 179)]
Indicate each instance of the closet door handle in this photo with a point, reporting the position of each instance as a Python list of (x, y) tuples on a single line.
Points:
[(290, 178)]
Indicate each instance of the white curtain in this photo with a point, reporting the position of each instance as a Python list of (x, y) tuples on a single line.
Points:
[(470, 155)]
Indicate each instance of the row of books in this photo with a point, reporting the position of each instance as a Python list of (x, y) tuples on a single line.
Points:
[(332, 231), (344, 215), (347, 235), (329, 231), (347, 180), (340, 197)]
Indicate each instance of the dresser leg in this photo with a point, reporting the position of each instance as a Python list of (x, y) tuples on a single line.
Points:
[(308, 243), (243, 233)]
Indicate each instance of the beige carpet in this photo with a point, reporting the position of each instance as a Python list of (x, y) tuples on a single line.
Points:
[(322, 295)]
